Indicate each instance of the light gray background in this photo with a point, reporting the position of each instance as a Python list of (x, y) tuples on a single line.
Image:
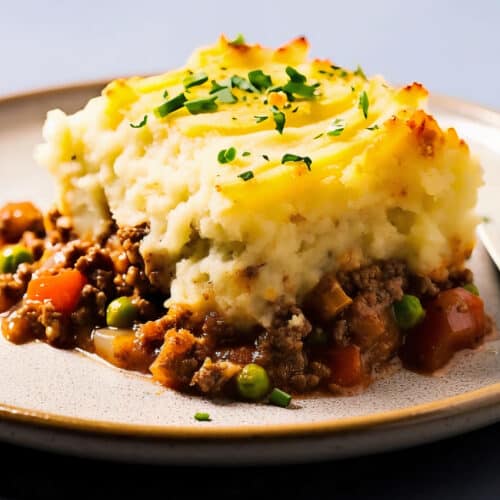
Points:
[(450, 46)]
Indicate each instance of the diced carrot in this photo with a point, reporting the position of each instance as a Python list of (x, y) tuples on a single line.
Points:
[(345, 365), (63, 290)]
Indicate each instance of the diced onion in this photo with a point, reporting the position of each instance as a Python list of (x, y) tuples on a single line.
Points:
[(105, 345)]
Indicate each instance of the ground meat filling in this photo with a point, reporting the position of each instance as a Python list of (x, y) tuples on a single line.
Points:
[(347, 316)]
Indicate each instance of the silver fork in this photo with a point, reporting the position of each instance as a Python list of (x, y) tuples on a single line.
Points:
[(490, 236)]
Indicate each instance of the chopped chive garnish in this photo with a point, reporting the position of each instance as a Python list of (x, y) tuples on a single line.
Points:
[(373, 127), (239, 40), (280, 398), (359, 72), (364, 103), (141, 123), (338, 128), (203, 105), (294, 75), (165, 94), (300, 89), (226, 155), (223, 92), (194, 80), (259, 79), (170, 106), (216, 87), (260, 118), (242, 84), (202, 416), (289, 157), (279, 120), (318, 136), (246, 153), (225, 95), (265, 157), (246, 176)]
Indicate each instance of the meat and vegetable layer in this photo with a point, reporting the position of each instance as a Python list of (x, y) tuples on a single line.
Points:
[(97, 296)]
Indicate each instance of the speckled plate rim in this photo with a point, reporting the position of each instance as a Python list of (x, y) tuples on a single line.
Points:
[(485, 397)]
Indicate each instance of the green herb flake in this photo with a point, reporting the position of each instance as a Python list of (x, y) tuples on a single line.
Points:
[(300, 89), (335, 68), (225, 96), (195, 80), (226, 155), (279, 120), (294, 110), (203, 105), (238, 40), (265, 157), (242, 84), (216, 87), (318, 136), (343, 73), (165, 94), (246, 176), (290, 157), (280, 398), (202, 416), (373, 127), (294, 75), (485, 219), (260, 80), (141, 123), (338, 127), (170, 106), (246, 153), (260, 118), (359, 72), (363, 103)]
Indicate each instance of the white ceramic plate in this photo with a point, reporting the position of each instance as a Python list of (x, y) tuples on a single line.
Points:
[(71, 402)]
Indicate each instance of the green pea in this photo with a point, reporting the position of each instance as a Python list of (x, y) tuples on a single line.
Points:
[(12, 256), (408, 311), (121, 313), (253, 382), (470, 287)]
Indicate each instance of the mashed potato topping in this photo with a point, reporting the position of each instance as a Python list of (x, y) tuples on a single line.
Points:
[(260, 170)]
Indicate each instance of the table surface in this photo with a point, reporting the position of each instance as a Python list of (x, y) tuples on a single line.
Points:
[(450, 46), (462, 468)]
